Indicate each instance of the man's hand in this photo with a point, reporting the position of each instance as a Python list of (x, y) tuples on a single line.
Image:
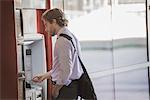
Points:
[(40, 78)]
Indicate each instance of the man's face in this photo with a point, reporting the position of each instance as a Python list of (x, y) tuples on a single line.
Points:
[(49, 28)]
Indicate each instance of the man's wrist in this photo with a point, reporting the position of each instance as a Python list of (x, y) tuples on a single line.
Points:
[(48, 76)]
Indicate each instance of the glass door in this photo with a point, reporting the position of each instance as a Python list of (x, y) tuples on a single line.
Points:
[(114, 47), (148, 22), (130, 49)]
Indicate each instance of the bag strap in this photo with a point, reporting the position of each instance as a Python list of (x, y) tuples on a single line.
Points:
[(83, 67), (70, 39)]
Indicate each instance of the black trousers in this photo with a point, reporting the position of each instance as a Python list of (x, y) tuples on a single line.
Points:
[(69, 92)]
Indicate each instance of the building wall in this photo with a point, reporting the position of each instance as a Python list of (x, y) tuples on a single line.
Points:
[(8, 52)]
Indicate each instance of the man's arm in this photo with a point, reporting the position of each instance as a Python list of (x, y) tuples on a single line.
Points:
[(40, 78)]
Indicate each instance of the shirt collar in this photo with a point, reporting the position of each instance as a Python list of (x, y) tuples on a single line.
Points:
[(62, 30)]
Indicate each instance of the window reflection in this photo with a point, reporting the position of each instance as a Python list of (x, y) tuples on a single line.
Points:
[(132, 85), (129, 33)]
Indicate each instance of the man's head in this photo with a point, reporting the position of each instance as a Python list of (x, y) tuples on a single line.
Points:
[(53, 19)]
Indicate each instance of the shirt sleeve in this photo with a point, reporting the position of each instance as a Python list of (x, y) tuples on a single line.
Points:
[(65, 59)]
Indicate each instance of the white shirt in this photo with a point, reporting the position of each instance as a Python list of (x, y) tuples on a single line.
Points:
[(66, 66)]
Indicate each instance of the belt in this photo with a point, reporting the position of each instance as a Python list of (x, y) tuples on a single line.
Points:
[(54, 82)]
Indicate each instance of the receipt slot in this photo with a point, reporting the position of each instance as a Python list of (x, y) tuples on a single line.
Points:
[(35, 64)]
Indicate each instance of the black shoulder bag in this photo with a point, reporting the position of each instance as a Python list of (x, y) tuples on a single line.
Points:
[(85, 86)]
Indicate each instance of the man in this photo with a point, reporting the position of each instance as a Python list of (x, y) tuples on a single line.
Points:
[(66, 67)]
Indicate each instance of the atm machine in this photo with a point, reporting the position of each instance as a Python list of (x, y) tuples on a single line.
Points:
[(35, 63), (31, 55)]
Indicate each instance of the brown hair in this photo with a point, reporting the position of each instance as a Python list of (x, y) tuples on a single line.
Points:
[(57, 14)]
